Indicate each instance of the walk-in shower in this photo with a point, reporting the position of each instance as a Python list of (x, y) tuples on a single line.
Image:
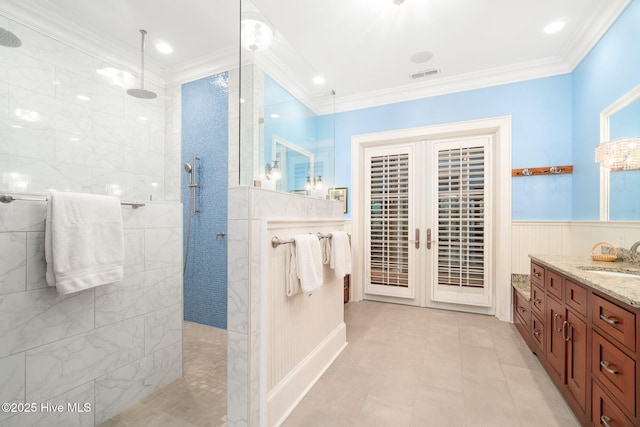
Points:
[(190, 169)]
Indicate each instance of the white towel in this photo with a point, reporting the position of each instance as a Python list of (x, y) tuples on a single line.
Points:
[(309, 262), (291, 281), (340, 259), (84, 241)]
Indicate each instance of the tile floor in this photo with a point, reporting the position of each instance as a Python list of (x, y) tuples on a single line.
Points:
[(199, 398), (409, 366)]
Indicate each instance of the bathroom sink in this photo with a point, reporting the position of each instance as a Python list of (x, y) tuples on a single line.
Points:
[(631, 274)]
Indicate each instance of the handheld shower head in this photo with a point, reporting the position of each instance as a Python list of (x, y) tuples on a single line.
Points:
[(187, 167)]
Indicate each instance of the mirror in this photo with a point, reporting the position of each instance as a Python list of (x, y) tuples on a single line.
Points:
[(619, 199), (296, 164)]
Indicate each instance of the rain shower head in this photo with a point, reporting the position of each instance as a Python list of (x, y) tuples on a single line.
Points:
[(187, 167), (8, 39), (141, 92)]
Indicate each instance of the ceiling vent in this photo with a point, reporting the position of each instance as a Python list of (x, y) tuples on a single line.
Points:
[(423, 74)]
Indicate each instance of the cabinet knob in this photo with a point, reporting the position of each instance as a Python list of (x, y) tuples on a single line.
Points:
[(522, 309), (607, 367), (536, 332), (535, 273), (537, 301)]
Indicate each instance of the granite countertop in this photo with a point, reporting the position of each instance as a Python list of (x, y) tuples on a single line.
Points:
[(522, 284), (625, 289)]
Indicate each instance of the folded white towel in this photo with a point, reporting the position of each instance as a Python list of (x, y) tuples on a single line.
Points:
[(84, 241), (291, 281), (309, 262), (340, 259)]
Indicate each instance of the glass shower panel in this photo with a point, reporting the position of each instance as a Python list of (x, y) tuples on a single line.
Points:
[(287, 138)]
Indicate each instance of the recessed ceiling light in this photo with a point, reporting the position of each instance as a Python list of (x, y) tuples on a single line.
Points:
[(554, 27), (420, 57), (275, 116), (398, 2), (242, 101), (82, 97), (318, 80), (16, 126), (164, 47), (143, 118)]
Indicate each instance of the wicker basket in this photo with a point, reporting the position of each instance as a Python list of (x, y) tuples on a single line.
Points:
[(604, 257)]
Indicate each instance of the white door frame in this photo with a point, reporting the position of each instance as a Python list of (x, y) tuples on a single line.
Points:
[(500, 127)]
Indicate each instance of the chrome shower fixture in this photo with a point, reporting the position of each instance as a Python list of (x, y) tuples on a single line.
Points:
[(142, 93), (191, 168), (8, 39)]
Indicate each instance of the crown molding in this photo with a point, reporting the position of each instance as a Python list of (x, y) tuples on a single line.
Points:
[(215, 63), (54, 25), (441, 86), (592, 31)]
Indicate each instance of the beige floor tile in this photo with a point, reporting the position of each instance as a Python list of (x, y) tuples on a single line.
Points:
[(481, 361), (395, 383), (378, 412), (441, 371), (476, 336), (438, 407)]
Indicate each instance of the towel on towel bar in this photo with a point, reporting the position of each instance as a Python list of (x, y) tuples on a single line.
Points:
[(84, 241), (340, 253), (308, 262), (291, 281)]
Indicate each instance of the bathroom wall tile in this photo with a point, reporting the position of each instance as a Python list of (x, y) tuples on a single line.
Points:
[(87, 151), (79, 396), (23, 216), (120, 131), (254, 402), (172, 164), (4, 100), (133, 250), (115, 302), (163, 215), (156, 140), (258, 278), (145, 187), (151, 109), (172, 189), (162, 328), (134, 218), (40, 175), (4, 165), (109, 182), (47, 112), (22, 139), (237, 379), (143, 162), (36, 263), (12, 373), (238, 203), (57, 367), (13, 263), (163, 247), (238, 276), (103, 98), (52, 51), (19, 69), (163, 287), (118, 389), (33, 318)]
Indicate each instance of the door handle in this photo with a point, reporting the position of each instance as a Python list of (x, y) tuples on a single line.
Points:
[(428, 238), (417, 238)]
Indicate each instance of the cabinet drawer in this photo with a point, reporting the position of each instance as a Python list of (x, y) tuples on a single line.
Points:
[(553, 283), (576, 297), (537, 301), (522, 308), (537, 275), (537, 332), (604, 409), (615, 370), (615, 321)]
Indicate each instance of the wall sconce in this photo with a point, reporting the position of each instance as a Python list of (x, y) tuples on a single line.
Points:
[(619, 154), (272, 170), (313, 183)]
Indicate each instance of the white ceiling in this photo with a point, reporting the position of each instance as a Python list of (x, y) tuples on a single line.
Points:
[(362, 47)]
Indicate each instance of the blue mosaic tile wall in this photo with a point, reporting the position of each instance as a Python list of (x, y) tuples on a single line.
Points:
[(205, 134)]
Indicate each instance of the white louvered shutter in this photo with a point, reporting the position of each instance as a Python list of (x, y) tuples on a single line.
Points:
[(388, 198), (462, 212)]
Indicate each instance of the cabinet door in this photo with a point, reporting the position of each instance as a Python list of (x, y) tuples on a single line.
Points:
[(555, 342), (576, 335)]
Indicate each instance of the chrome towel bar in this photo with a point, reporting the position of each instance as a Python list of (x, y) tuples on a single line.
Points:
[(8, 198)]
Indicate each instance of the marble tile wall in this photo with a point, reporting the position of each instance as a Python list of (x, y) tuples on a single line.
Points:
[(66, 126), (109, 346)]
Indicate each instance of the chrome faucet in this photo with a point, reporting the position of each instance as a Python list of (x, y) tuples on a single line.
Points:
[(634, 247)]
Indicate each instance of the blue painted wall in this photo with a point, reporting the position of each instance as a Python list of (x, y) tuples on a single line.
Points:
[(541, 135), (205, 134), (610, 70)]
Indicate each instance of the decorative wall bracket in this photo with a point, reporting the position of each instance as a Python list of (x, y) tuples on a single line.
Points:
[(545, 170)]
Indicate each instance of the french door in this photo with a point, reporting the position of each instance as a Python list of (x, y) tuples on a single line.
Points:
[(428, 234)]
